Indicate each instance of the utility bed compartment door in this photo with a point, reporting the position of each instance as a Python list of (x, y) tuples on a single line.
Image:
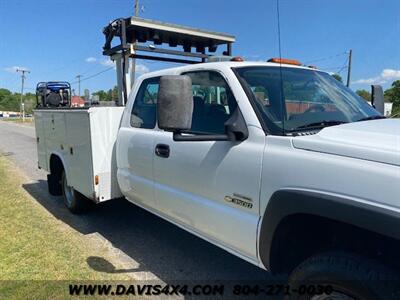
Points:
[(41, 141), (104, 126), (79, 158)]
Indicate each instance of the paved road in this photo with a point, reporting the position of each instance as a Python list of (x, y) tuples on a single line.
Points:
[(156, 248)]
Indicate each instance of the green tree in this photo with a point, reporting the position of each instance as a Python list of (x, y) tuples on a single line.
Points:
[(364, 94), (9, 101), (109, 95), (115, 93), (337, 77), (102, 95), (30, 102), (393, 95)]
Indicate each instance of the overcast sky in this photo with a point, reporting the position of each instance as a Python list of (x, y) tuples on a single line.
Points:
[(58, 39)]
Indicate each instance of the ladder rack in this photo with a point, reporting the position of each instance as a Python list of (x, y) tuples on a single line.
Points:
[(153, 40)]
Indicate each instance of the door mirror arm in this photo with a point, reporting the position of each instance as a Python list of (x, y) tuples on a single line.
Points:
[(236, 127)]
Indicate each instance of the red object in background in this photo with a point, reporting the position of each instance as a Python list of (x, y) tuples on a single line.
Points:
[(77, 101), (299, 107)]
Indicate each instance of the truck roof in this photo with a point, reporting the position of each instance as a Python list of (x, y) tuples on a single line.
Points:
[(221, 65)]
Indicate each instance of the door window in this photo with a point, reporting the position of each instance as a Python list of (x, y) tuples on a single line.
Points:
[(214, 102), (144, 108)]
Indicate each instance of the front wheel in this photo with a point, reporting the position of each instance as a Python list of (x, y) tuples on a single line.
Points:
[(348, 277), (73, 200)]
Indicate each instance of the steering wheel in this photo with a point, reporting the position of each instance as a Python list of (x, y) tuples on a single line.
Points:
[(315, 108)]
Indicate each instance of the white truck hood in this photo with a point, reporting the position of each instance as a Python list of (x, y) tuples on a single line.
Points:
[(377, 140)]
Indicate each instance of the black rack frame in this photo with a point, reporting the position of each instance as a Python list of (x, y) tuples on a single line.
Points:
[(133, 31)]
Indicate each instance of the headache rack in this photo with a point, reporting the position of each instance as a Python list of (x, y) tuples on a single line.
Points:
[(140, 38)]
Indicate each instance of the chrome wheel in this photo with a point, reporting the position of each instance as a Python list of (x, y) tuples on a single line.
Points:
[(68, 192)]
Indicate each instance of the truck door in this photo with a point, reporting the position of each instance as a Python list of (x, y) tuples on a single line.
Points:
[(135, 146), (211, 187)]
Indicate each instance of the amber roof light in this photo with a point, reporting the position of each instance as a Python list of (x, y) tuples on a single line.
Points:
[(237, 58), (284, 61)]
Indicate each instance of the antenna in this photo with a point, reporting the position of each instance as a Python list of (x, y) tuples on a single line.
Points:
[(283, 105), (349, 68)]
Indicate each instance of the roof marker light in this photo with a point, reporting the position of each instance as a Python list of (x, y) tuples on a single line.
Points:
[(285, 61), (237, 58)]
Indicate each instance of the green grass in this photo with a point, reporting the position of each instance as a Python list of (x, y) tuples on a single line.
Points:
[(38, 253), (18, 120)]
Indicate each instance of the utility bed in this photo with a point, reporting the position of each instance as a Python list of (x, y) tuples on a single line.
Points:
[(85, 140)]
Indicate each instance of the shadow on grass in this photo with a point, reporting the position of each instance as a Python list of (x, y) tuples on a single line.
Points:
[(159, 247), (100, 264)]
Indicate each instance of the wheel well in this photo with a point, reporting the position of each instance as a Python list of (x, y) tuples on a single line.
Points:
[(300, 236), (56, 166)]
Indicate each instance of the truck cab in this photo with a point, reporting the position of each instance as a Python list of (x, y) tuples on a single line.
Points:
[(232, 181)]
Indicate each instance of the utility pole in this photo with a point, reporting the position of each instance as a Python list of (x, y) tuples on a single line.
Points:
[(349, 68), (79, 84), (22, 104)]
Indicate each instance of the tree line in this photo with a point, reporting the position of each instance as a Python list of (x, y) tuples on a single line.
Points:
[(391, 94), (10, 101), (109, 95)]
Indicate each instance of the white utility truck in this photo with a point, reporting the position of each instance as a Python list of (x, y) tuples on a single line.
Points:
[(275, 162)]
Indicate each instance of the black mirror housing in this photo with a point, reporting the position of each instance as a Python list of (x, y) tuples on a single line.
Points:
[(377, 98), (175, 103)]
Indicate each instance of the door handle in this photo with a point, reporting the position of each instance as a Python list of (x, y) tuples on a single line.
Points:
[(162, 150)]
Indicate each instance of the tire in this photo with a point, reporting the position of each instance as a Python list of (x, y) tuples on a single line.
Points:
[(73, 200), (54, 185), (350, 276)]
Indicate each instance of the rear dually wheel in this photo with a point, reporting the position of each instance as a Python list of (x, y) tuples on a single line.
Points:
[(73, 200)]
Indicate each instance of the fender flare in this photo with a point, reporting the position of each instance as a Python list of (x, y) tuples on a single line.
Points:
[(287, 202), (61, 157)]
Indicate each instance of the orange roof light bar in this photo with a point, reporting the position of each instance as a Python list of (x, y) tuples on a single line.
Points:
[(285, 61), (237, 58)]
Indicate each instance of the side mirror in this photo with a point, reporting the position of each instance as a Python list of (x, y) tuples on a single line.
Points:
[(377, 99), (175, 103)]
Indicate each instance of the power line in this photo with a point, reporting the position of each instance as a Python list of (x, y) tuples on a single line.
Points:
[(338, 69), (65, 66), (344, 66), (331, 68), (325, 58), (94, 75)]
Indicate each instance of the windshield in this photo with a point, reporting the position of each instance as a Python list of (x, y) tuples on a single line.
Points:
[(303, 100)]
